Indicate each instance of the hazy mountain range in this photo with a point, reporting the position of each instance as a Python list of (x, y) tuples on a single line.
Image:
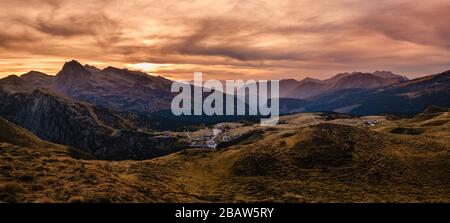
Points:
[(309, 87), (135, 91), (368, 94)]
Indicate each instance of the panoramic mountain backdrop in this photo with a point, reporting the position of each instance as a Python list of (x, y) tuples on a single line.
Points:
[(86, 101), (117, 113), (367, 94)]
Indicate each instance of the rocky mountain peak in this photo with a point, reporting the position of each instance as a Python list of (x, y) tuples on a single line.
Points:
[(92, 68), (13, 84), (310, 80), (11, 78), (72, 67), (38, 79), (389, 75), (72, 73), (33, 74)]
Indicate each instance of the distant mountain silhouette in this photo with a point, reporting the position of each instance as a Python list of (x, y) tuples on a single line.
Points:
[(308, 87), (406, 97)]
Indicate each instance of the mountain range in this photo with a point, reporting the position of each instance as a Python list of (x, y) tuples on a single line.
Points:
[(91, 109), (381, 92), (400, 97), (110, 87), (137, 92), (309, 87), (121, 114)]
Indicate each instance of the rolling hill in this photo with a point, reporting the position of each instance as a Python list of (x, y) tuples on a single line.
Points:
[(309, 158)]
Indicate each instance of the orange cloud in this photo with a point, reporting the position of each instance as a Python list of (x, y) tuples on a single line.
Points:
[(228, 39)]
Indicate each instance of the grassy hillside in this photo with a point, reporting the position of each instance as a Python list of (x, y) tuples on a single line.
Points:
[(309, 158), (11, 133)]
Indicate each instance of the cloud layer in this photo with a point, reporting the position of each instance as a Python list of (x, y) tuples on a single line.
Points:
[(228, 39)]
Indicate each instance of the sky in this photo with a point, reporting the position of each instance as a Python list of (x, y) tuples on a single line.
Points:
[(227, 39)]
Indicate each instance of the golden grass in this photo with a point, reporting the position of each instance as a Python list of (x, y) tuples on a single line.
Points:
[(300, 161)]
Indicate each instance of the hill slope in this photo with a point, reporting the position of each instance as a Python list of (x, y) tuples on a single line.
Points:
[(298, 161)]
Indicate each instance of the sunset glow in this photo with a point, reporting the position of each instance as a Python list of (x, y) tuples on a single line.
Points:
[(227, 38)]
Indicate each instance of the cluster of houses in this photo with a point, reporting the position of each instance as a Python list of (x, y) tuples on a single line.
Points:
[(219, 134), (368, 123)]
